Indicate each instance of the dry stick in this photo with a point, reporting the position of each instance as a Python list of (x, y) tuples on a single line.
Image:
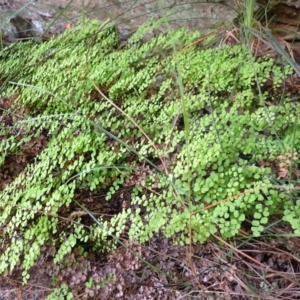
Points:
[(284, 252), (43, 288), (229, 199), (135, 124), (245, 192), (246, 255)]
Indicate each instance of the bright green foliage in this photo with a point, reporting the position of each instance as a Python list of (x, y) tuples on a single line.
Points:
[(60, 293), (214, 180)]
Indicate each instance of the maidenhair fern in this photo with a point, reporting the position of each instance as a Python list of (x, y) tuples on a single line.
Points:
[(207, 183)]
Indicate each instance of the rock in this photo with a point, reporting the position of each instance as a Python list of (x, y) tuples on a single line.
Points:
[(23, 27)]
